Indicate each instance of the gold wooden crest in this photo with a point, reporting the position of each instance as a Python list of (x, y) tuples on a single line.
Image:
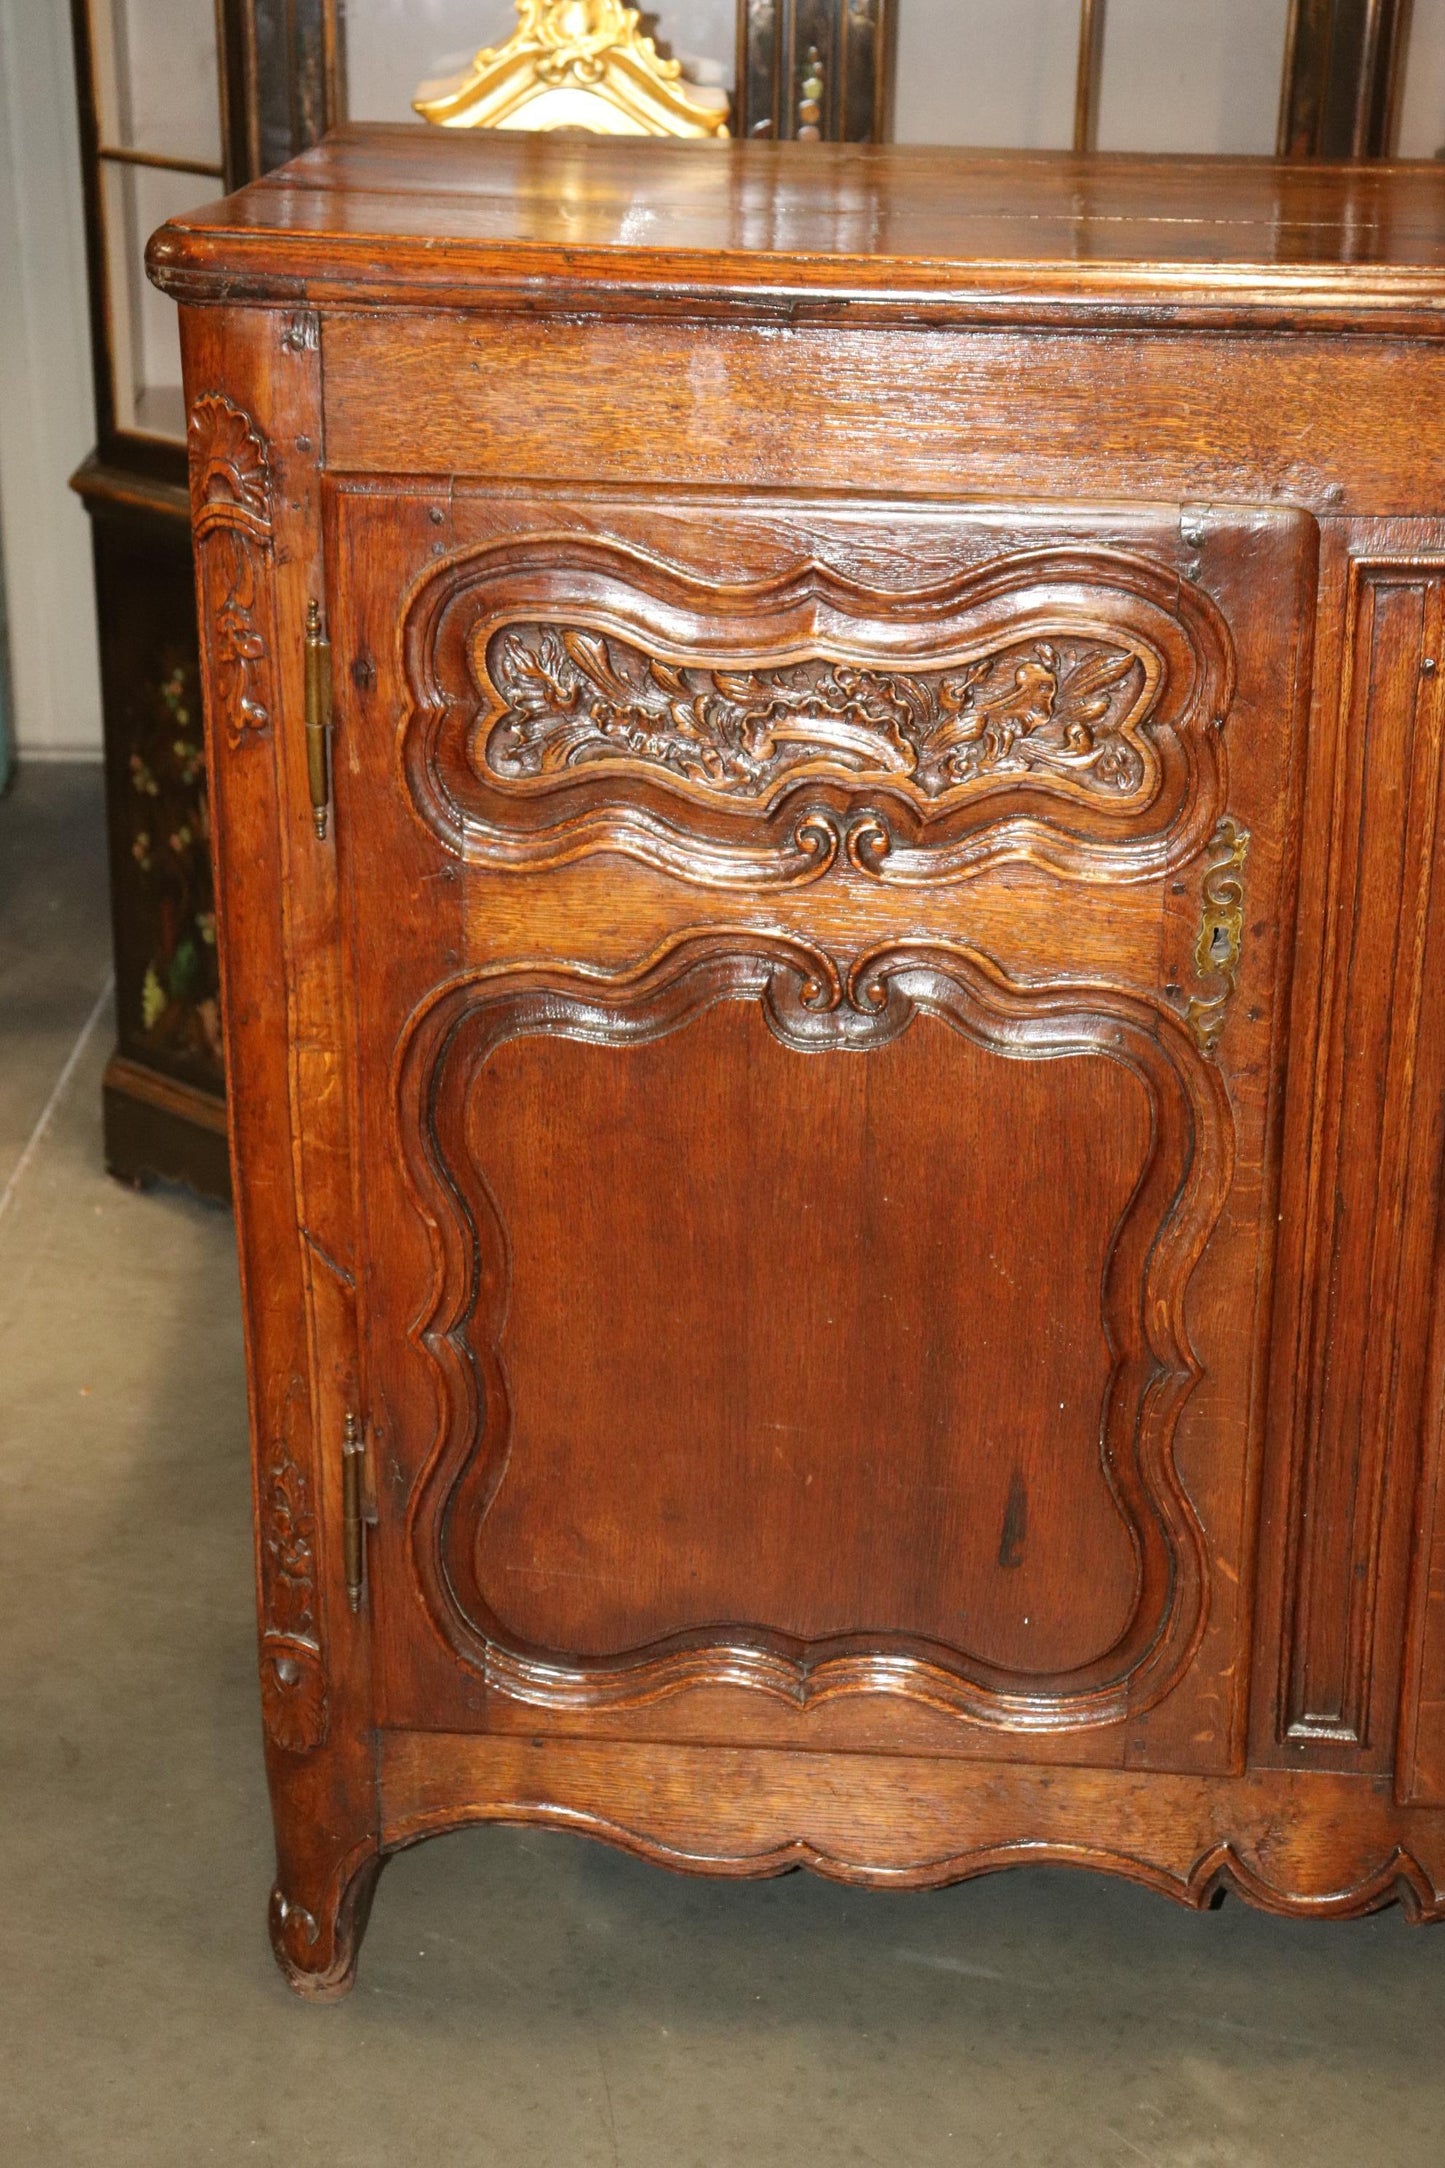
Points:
[(576, 64)]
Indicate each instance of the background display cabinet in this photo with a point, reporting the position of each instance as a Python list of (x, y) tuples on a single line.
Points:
[(179, 99)]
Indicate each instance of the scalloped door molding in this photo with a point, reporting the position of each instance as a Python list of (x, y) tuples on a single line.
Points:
[(814, 1004)]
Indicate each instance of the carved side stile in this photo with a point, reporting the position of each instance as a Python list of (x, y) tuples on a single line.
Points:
[(293, 1681), (256, 441), (231, 493), (231, 522)]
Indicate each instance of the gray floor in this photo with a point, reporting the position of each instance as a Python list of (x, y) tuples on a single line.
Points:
[(526, 2000)]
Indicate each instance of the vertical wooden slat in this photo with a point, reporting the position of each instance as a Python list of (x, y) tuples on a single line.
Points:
[(1306, 65), (1382, 78), (1089, 75), (756, 98), (284, 76), (1344, 73), (854, 41)]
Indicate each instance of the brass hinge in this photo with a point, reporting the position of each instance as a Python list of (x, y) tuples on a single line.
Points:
[(318, 715), (353, 1508)]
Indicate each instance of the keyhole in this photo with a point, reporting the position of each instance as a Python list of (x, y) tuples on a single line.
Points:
[(1219, 945)]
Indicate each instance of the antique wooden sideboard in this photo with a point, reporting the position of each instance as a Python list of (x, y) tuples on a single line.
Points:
[(828, 782)]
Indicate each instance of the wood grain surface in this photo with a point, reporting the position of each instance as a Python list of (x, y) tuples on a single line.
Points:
[(838, 1147)]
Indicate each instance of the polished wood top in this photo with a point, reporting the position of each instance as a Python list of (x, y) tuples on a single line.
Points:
[(803, 231)]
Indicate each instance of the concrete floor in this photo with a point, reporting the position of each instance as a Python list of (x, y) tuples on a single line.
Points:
[(526, 2000)]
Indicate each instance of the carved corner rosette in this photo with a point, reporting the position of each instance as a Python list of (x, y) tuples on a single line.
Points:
[(1220, 942), (293, 1678), (1057, 705), (814, 1003), (232, 524)]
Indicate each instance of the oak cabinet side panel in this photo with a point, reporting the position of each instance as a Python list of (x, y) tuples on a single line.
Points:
[(253, 392)]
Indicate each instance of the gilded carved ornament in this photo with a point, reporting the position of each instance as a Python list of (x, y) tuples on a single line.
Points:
[(576, 64)]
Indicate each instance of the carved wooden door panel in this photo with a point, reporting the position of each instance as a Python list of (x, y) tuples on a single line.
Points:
[(818, 1062)]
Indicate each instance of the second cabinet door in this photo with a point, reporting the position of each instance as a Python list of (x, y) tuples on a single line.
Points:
[(817, 971)]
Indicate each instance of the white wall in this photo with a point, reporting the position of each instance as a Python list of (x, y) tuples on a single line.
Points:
[(1422, 117), (47, 421), (1181, 76), (158, 88), (995, 74), (392, 45), (1200, 75)]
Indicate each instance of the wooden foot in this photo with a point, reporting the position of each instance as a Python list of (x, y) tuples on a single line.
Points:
[(316, 1935)]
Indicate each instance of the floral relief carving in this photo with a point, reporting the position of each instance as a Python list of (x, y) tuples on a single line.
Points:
[(289, 1544), (1066, 709), (231, 518), (293, 1684), (240, 650), (570, 695)]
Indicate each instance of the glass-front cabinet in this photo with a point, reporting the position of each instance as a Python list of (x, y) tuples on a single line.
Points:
[(179, 100), (156, 128), (1329, 78)]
